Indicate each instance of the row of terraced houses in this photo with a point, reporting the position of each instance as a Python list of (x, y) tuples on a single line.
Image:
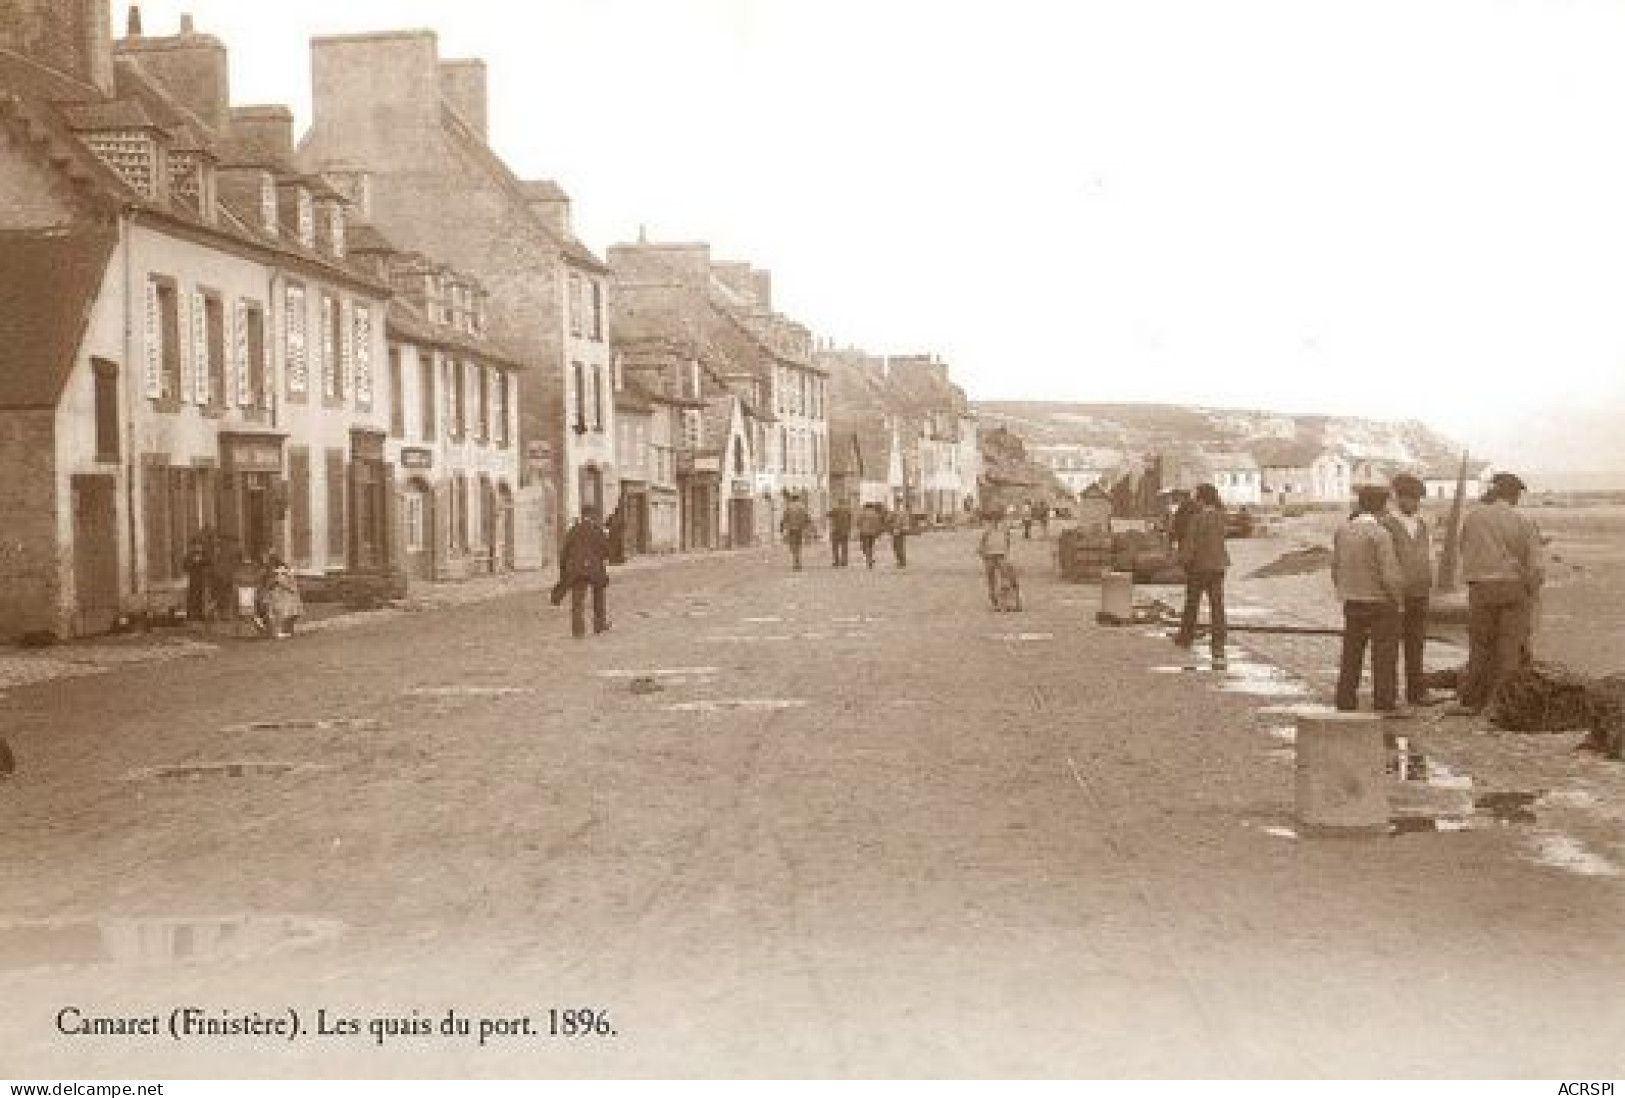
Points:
[(372, 348)]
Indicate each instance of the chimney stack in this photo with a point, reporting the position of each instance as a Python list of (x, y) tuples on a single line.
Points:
[(192, 67), (463, 85), (132, 21), (265, 131)]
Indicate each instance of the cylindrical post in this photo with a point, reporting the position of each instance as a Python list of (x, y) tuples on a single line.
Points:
[(1117, 596), (1341, 777)]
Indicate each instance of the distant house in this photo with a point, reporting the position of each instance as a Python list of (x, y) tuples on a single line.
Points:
[(1237, 477), (1293, 472), (1440, 480)]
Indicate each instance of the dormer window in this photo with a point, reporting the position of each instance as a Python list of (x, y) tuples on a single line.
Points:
[(305, 207), (135, 155), (268, 205), (335, 228)]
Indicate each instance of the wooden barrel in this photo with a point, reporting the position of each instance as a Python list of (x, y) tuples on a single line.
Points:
[(1342, 784)]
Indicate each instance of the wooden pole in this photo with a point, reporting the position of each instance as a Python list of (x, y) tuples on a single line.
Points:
[(1450, 558)]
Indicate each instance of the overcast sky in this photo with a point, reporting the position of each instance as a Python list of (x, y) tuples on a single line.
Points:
[(1396, 208)]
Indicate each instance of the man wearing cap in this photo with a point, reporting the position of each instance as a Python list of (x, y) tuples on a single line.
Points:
[(794, 526), (1371, 586), (1413, 542), (1502, 562)]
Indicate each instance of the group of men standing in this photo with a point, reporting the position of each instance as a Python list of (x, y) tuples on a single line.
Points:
[(1382, 567), (870, 522)]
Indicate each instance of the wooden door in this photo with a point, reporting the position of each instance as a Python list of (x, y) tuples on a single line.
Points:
[(95, 551)]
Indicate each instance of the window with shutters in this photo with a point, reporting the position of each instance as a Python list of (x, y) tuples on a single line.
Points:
[(455, 402), (256, 385), (578, 397), (299, 504), (164, 341), (428, 395), (502, 412), (331, 339), (482, 383), (577, 305), (361, 352), (214, 352), (297, 319), (397, 398), (195, 364), (597, 398), (104, 376), (335, 509), (595, 316)]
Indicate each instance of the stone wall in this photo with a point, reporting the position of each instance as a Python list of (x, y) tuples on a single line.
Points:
[(31, 563)]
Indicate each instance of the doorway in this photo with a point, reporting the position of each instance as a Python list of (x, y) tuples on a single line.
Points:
[(95, 551), (417, 529)]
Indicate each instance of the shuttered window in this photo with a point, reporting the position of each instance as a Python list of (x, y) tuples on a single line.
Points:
[(361, 340), (335, 508), (299, 503), (298, 356)]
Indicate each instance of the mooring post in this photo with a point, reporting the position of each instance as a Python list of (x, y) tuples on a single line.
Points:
[(1341, 776)]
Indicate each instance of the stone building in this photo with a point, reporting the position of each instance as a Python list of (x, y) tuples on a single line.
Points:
[(724, 313), (404, 133), (186, 343), (453, 423)]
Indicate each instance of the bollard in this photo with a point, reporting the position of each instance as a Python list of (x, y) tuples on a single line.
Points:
[(1117, 596), (1341, 776)]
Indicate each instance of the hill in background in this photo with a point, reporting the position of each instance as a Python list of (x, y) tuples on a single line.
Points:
[(1138, 429)]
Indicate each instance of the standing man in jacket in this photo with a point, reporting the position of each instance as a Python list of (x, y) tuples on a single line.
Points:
[(1203, 555), (583, 564), (870, 523), (1504, 566), (1371, 586), (900, 519), (840, 533), (1413, 542), (794, 526)]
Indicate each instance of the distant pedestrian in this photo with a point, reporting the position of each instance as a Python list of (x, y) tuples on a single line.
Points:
[(794, 526), (1413, 542), (1042, 513), (199, 567), (1203, 556), (840, 533), (1504, 565), (1371, 587), (1027, 518), (900, 522), (870, 523), (226, 563), (582, 567), (615, 530), (994, 549)]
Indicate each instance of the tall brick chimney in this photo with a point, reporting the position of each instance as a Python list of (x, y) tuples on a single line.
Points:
[(376, 97), (549, 203), (266, 131), (74, 37), (462, 84), (192, 67)]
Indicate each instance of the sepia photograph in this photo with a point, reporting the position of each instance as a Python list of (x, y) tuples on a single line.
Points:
[(825, 540)]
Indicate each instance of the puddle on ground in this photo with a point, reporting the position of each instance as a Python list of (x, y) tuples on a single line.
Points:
[(467, 691), (1022, 638), (1261, 681), (199, 771), (25, 945), (1302, 709), (761, 621), (740, 638), (1563, 852), (857, 619), (659, 673), (724, 705), (309, 724)]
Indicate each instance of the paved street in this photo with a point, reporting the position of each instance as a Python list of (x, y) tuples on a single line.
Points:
[(841, 823)]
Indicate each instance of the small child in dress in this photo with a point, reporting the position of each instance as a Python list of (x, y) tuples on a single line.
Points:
[(280, 604)]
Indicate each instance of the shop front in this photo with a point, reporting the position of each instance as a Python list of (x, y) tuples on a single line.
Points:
[(252, 500)]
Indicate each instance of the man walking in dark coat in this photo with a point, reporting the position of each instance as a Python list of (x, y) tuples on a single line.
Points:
[(900, 519), (870, 523), (583, 564), (840, 533), (794, 526), (1203, 555)]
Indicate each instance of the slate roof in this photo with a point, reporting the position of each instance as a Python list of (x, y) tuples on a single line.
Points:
[(406, 322), (49, 281)]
